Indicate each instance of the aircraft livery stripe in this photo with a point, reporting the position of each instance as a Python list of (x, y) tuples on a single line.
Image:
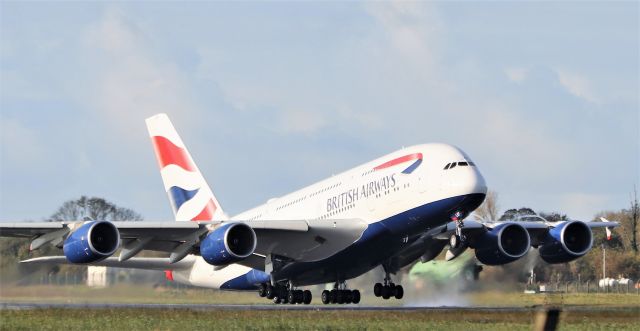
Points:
[(168, 153), (207, 212), (402, 159), (180, 195)]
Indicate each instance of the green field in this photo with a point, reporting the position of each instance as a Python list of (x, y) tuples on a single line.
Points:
[(165, 319), (611, 311), (148, 294)]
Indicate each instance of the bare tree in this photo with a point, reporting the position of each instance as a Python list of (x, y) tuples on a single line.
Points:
[(634, 214), (488, 210), (93, 208)]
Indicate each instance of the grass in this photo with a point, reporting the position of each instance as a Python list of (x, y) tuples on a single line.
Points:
[(606, 314), (148, 294), (161, 319)]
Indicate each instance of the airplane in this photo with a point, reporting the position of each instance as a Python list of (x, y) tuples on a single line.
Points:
[(406, 205)]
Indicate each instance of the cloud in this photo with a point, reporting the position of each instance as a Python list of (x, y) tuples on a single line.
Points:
[(131, 83), (578, 85), (516, 74)]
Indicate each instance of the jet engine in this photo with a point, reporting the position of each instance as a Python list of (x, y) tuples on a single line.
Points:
[(228, 243), (503, 244), (566, 242), (91, 242)]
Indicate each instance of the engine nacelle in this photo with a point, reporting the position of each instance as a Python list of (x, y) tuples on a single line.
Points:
[(91, 242), (566, 242), (227, 244), (505, 243)]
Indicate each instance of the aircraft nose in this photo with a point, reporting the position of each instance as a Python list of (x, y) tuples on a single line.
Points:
[(467, 180)]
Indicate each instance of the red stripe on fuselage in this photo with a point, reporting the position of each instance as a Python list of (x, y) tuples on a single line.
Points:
[(167, 153), (402, 159), (207, 212)]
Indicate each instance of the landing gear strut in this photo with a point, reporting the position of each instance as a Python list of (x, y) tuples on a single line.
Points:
[(284, 294), (388, 289), (458, 238), (340, 294)]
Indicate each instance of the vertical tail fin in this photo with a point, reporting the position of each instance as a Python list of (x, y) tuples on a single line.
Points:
[(190, 196)]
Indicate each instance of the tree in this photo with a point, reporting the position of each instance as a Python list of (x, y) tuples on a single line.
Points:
[(488, 210), (514, 214), (93, 208), (634, 214)]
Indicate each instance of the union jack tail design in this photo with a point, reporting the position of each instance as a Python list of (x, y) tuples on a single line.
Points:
[(189, 194)]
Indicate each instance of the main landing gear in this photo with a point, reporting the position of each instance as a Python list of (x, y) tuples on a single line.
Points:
[(284, 294), (340, 294), (388, 289)]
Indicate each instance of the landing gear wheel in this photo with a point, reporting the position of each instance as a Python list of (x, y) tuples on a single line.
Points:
[(399, 292), (270, 292), (299, 296), (386, 292), (262, 290), (334, 296), (377, 290), (454, 241), (276, 300), (291, 297), (326, 297), (306, 297), (355, 295)]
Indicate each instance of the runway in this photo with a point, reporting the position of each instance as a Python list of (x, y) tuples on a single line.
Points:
[(283, 307)]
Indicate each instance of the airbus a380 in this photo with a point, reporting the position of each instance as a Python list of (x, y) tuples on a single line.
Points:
[(407, 205)]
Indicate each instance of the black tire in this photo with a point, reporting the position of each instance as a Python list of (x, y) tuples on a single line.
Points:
[(326, 297), (299, 296), (377, 290), (262, 290), (306, 297), (276, 300), (386, 292), (346, 296), (334, 296), (270, 292), (399, 292), (339, 297), (291, 297), (355, 295)]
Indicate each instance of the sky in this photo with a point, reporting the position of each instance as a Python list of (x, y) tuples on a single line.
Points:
[(273, 96)]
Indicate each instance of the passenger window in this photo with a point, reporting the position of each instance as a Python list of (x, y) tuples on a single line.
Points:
[(453, 165), (447, 166)]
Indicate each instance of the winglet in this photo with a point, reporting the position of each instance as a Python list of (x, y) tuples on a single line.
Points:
[(607, 229)]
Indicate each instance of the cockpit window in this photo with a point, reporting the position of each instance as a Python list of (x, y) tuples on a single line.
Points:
[(472, 164), (447, 166), (463, 164), (453, 165)]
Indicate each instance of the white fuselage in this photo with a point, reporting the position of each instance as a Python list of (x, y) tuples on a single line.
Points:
[(372, 192)]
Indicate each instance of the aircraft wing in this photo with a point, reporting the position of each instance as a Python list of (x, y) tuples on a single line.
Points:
[(147, 263), (299, 240), (431, 243)]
